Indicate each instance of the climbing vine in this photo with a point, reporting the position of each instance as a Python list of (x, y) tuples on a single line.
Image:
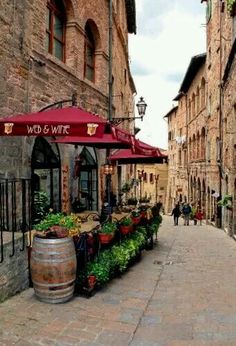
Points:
[(231, 5)]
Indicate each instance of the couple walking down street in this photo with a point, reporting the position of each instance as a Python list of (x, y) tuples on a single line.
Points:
[(186, 211)]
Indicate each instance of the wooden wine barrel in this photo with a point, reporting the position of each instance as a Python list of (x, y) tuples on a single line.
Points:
[(53, 269)]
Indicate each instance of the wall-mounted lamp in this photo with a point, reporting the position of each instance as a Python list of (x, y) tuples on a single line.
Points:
[(141, 106), (108, 169)]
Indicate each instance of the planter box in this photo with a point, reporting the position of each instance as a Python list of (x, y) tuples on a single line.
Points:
[(105, 238), (136, 219), (126, 229)]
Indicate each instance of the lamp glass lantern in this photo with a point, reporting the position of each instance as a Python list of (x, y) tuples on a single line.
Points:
[(141, 106), (108, 169)]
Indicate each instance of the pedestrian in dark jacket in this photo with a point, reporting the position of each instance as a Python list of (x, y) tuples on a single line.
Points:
[(186, 211), (176, 213)]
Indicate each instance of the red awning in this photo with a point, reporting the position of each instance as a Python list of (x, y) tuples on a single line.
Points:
[(129, 156), (69, 121), (114, 139), (146, 149)]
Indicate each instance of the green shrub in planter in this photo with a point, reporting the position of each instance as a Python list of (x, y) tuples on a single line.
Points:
[(100, 269), (51, 219), (126, 221), (108, 228), (122, 256)]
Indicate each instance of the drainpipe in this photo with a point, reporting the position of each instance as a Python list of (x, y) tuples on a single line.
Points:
[(219, 209), (108, 177), (187, 143)]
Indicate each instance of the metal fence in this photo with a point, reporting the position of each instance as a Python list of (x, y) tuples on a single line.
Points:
[(15, 212)]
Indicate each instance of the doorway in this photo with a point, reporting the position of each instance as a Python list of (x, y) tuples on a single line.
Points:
[(46, 173), (88, 179)]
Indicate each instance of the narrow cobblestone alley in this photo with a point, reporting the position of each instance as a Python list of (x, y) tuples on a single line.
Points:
[(181, 293)]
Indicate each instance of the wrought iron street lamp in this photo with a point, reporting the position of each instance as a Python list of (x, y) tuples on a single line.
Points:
[(141, 107), (108, 169)]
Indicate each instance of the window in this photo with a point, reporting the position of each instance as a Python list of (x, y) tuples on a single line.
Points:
[(203, 91), (209, 151), (125, 76), (55, 29), (151, 178), (208, 10), (89, 58), (209, 105), (218, 149)]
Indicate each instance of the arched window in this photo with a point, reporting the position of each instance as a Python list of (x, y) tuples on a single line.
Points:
[(203, 144), (194, 147), (189, 110), (198, 146), (190, 149), (89, 57), (197, 100), (203, 91), (56, 22), (193, 106)]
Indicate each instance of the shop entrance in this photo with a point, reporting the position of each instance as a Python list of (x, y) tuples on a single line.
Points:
[(88, 179), (46, 175)]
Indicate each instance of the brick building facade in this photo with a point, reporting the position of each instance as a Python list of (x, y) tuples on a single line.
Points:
[(50, 50), (202, 127)]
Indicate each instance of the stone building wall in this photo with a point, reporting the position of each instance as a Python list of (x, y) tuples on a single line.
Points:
[(32, 79), (14, 273), (220, 106), (216, 173)]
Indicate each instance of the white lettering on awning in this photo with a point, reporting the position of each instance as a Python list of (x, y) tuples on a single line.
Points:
[(47, 129)]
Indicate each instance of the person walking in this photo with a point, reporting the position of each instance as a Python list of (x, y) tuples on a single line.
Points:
[(199, 216), (186, 211), (176, 213)]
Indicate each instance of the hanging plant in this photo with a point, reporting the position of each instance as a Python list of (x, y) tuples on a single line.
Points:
[(231, 6)]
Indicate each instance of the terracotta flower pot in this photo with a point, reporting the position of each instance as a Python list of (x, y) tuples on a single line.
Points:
[(105, 238), (136, 220), (126, 229), (91, 281)]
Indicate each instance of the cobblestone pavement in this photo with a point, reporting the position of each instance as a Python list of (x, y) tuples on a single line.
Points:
[(182, 293)]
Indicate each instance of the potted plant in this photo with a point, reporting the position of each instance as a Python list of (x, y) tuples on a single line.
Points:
[(91, 279), (143, 211), (136, 217), (226, 201), (107, 232), (126, 225), (100, 270)]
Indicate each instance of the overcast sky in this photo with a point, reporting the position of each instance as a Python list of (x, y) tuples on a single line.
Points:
[(169, 33)]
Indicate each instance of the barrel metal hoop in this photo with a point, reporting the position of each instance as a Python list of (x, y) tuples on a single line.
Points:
[(54, 285), (49, 260)]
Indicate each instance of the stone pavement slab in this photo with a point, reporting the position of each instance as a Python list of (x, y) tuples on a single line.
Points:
[(182, 293)]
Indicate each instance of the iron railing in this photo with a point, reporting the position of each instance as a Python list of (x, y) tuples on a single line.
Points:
[(15, 212)]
